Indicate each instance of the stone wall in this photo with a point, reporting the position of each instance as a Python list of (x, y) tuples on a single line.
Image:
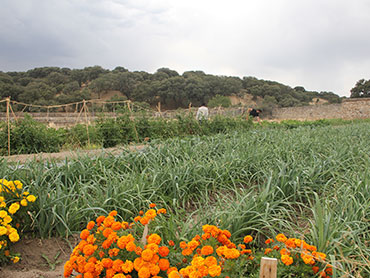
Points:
[(358, 108)]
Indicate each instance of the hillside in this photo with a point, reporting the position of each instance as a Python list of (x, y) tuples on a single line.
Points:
[(53, 85)]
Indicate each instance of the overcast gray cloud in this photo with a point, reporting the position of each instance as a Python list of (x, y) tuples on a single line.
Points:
[(322, 45)]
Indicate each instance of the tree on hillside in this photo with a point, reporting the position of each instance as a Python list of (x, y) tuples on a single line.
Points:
[(362, 89), (103, 84)]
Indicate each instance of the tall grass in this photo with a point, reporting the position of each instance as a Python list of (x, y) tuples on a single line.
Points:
[(309, 182)]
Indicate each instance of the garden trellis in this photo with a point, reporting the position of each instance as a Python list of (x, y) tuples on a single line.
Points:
[(81, 111)]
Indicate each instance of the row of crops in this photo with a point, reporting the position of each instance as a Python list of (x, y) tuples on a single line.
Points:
[(309, 182)]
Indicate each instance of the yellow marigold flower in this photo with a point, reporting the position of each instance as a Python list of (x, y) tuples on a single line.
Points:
[(7, 219), (319, 256), (31, 198), (24, 203), (174, 274), (197, 261), (3, 230), (25, 193), (286, 259), (214, 270), (3, 213), (14, 237), (14, 208), (2, 205), (2, 199), (15, 259), (248, 239), (18, 184)]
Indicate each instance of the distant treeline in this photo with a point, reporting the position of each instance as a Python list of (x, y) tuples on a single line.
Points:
[(54, 85)]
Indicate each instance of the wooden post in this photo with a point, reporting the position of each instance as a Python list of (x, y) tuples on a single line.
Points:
[(159, 108), (86, 122), (268, 268), (8, 120), (189, 108)]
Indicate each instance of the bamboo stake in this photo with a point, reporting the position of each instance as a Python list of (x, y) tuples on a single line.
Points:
[(268, 268), (129, 108), (11, 109), (8, 120)]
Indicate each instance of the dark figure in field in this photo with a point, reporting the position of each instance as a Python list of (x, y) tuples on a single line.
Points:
[(255, 113)]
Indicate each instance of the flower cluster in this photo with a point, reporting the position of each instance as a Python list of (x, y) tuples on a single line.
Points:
[(115, 249), (297, 250), (12, 201), (108, 248)]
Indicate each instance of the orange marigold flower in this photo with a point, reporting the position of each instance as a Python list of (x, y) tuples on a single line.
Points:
[(186, 252), (116, 226), (174, 274), (128, 266), (284, 251), (291, 243), (154, 238), (206, 236), (248, 239), (269, 240), (315, 269), (246, 251), (276, 247), (226, 233), (106, 243), (155, 259), (152, 205), (281, 238), (84, 234), (214, 270), (319, 256), (147, 255), (130, 246), (171, 243), (183, 245), (286, 259), (163, 264), (119, 275), (162, 211), (100, 220), (242, 246), (109, 273), (171, 269), (107, 263), (141, 212), (88, 250), (163, 251), (144, 220), (193, 244), (268, 250), (329, 271), (322, 274), (101, 254), (113, 213), (90, 225), (138, 250), (113, 252), (151, 214), (152, 246), (209, 261), (144, 272), (117, 265), (154, 269), (107, 232), (108, 221), (206, 250)]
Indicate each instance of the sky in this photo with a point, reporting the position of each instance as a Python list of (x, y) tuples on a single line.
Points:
[(322, 45)]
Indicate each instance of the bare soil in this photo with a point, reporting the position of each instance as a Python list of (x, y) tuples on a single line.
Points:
[(23, 158), (40, 258)]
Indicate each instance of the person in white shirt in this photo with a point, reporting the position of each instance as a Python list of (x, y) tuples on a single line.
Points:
[(202, 113)]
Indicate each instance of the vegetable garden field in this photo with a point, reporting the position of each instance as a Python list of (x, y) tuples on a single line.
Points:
[(205, 205)]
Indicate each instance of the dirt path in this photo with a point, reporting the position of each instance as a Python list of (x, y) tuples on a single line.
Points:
[(23, 158)]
